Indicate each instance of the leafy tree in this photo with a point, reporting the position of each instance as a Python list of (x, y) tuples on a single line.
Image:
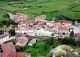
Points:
[(6, 15), (1, 24), (50, 41), (12, 32), (72, 34), (4, 22), (1, 31), (69, 41)]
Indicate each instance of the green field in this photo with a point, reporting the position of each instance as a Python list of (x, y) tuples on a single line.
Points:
[(51, 8), (1, 16)]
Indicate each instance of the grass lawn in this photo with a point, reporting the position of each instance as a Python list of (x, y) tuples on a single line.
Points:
[(76, 9)]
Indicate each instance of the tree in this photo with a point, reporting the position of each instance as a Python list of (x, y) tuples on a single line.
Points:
[(6, 15), (4, 22), (68, 41), (50, 41), (72, 34), (1, 24), (1, 31), (12, 32)]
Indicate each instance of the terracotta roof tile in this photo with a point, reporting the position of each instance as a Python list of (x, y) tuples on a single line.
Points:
[(5, 55), (41, 17), (63, 28), (9, 48), (66, 21), (57, 24)]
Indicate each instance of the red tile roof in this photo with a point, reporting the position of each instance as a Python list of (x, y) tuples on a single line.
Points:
[(23, 26), (40, 23), (30, 21), (5, 55), (58, 24), (9, 49), (41, 17), (63, 28), (20, 16), (19, 54), (66, 21), (22, 35), (22, 41)]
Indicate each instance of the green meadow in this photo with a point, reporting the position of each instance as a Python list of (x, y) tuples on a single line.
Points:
[(50, 8)]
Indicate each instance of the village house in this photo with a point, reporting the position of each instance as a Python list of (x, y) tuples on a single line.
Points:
[(30, 22), (4, 37), (40, 18), (20, 17), (8, 50), (66, 23), (55, 27), (50, 23), (63, 30), (22, 35), (32, 42), (37, 27), (21, 41), (23, 29)]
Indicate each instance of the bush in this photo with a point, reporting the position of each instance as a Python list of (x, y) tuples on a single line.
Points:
[(68, 41)]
